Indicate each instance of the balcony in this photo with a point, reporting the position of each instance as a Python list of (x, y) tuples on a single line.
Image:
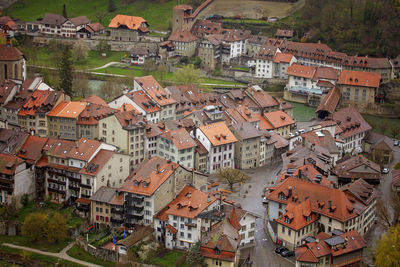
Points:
[(135, 217), (85, 196), (137, 200), (73, 179), (75, 188), (117, 211), (193, 225), (56, 181), (56, 190), (84, 208), (86, 186)]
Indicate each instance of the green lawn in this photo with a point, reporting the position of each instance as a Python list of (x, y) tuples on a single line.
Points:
[(43, 260), (94, 59), (376, 122), (78, 253), (49, 208), (302, 112), (42, 244), (157, 13), (167, 259)]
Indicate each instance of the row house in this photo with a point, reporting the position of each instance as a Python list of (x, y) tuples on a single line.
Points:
[(233, 44), (32, 116), (11, 141), (267, 148), (209, 51), (178, 225), (351, 168), (310, 83), (370, 64), (242, 114), (126, 130), (219, 141), (106, 208), (247, 148), (127, 28), (351, 129), (280, 122), (8, 89), (62, 120), (88, 121), (301, 209), (271, 63), (359, 87), (184, 41), (264, 102), (158, 94), (71, 26), (143, 51), (55, 24), (178, 146), (90, 30), (338, 249), (15, 179), (153, 184), (140, 102), (64, 160)]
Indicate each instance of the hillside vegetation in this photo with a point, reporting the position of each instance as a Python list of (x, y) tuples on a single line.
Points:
[(363, 27), (157, 12)]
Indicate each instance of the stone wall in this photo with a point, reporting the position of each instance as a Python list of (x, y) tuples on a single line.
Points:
[(101, 253)]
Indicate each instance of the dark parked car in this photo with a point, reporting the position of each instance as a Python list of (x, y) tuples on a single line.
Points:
[(287, 253), (280, 250)]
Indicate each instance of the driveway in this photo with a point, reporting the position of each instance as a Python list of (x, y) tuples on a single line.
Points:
[(263, 253)]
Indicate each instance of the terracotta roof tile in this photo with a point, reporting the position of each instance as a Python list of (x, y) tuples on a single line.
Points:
[(330, 101), (218, 133), (284, 33), (350, 122), (130, 22), (6, 88), (94, 99), (149, 176), (359, 78), (68, 109), (93, 167), (84, 149), (93, 113), (283, 58), (278, 118), (396, 177), (31, 150), (300, 215), (155, 90), (298, 70), (143, 101), (182, 36), (180, 137), (9, 163)]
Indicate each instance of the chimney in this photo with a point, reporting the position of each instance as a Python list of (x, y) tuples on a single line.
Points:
[(330, 204), (158, 168), (290, 191)]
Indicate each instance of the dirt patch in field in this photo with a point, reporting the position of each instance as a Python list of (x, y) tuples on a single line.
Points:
[(250, 9)]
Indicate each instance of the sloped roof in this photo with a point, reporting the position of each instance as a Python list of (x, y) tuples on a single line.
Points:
[(94, 99), (218, 133), (9, 164), (182, 36), (350, 122), (10, 53), (361, 190), (97, 163), (246, 130), (396, 177), (81, 20), (130, 22), (104, 194), (93, 113), (360, 78), (278, 118), (330, 101), (149, 176), (297, 214), (6, 88), (84, 149), (180, 137), (67, 109), (31, 150), (284, 33), (155, 90), (298, 70), (53, 19)]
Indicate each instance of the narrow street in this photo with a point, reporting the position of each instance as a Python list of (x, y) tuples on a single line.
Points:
[(263, 253)]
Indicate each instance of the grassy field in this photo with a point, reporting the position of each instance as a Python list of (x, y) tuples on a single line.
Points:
[(376, 122), (94, 59), (49, 208), (42, 244), (157, 13), (43, 260), (302, 112), (80, 254), (167, 259)]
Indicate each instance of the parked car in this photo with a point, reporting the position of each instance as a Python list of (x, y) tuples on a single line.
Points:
[(291, 135), (301, 131), (265, 200), (396, 142), (280, 250), (287, 253), (385, 170)]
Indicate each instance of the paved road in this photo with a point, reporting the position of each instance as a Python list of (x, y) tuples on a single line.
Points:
[(263, 253), (61, 255)]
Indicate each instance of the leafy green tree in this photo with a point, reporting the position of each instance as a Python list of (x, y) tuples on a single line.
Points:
[(34, 226), (197, 62), (46, 77), (111, 6), (387, 252), (66, 69), (184, 60), (395, 131), (187, 75), (100, 15), (57, 229), (194, 257), (148, 67), (231, 176)]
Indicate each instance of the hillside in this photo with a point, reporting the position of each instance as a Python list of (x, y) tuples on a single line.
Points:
[(157, 12), (363, 27)]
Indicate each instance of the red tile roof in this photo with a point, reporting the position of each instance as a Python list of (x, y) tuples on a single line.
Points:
[(298, 70), (297, 215), (396, 177), (284, 33), (350, 122), (204, 27), (359, 78), (262, 98), (180, 137), (189, 203), (155, 90), (283, 58), (130, 22), (68, 109), (346, 168), (84, 149), (6, 88), (93, 113), (31, 150), (94, 99), (97, 163), (9, 163), (10, 53), (267, 52), (171, 229), (218, 133), (341, 207), (278, 118), (182, 36), (330, 101), (143, 101), (149, 176)]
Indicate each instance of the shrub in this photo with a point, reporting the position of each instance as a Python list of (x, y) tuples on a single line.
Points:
[(397, 166)]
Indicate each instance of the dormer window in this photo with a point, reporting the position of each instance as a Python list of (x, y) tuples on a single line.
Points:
[(287, 220), (308, 218)]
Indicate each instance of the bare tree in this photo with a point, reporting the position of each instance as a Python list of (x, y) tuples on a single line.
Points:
[(80, 51), (109, 91), (232, 176), (388, 211), (81, 85)]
